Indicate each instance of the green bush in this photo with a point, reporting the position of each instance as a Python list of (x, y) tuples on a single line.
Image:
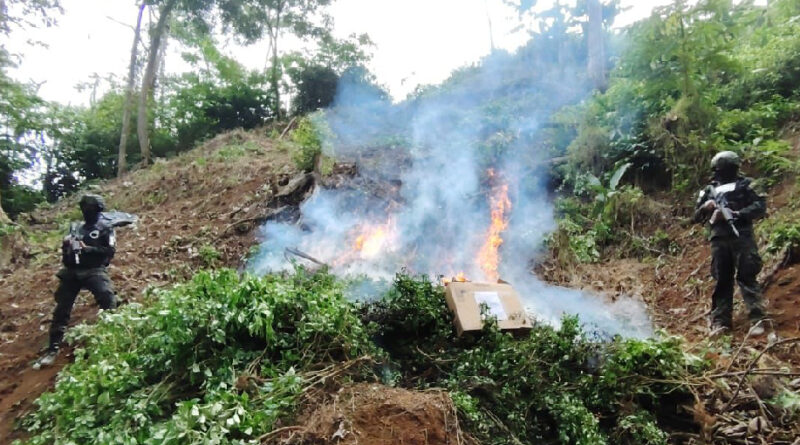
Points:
[(307, 142), (226, 357), (209, 255), (571, 242), (772, 158), (640, 429), (783, 236), (20, 199), (552, 385), (167, 371)]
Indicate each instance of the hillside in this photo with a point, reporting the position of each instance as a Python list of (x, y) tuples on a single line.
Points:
[(674, 277), (200, 210), (301, 227), (195, 211)]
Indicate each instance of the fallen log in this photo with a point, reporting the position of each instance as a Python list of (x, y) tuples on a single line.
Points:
[(303, 255)]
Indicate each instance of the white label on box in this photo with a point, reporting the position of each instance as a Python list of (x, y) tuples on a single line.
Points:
[(492, 300)]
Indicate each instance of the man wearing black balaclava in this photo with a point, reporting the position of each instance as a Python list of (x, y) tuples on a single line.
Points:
[(85, 254), (734, 253)]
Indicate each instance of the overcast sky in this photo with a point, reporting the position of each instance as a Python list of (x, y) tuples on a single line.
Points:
[(417, 41)]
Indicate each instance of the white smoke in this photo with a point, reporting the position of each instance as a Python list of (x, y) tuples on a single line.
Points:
[(437, 150)]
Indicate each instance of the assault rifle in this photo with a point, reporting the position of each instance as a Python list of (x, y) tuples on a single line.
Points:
[(722, 205), (72, 243), (72, 247)]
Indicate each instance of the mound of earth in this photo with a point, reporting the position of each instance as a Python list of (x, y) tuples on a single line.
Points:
[(369, 413)]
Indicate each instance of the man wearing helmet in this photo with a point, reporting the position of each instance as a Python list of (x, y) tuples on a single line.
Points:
[(729, 205), (85, 254)]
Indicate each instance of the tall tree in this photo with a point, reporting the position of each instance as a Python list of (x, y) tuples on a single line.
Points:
[(126, 112), (304, 19), (18, 102), (157, 34), (249, 20), (595, 43)]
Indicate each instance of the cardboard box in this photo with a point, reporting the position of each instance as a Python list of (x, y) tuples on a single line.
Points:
[(465, 298)]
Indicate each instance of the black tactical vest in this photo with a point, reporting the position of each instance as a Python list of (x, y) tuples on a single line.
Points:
[(99, 237)]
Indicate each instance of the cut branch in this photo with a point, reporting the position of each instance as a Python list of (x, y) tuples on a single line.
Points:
[(749, 368)]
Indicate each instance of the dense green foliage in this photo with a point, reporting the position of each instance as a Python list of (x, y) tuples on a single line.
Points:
[(693, 79), (167, 370), (222, 358), (307, 142), (316, 89), (553, 384), (21, 121)]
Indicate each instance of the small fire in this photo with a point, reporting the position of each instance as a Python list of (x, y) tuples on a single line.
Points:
[(461, 277), (372, 240), (489, 257)]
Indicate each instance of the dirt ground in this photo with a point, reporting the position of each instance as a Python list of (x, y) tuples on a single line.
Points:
[(210, 197), (370, 413)]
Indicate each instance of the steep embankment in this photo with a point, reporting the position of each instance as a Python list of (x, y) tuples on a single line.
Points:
[(676, 281), (196, 210), (749, 393)]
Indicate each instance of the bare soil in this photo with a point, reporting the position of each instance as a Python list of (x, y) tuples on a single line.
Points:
[(370, 413)]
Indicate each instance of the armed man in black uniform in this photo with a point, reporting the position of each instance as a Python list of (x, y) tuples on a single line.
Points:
[(85, 254), (729, 205)]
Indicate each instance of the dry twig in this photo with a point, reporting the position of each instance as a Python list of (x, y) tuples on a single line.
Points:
[(288, 127), (749, 368), (744, 342)]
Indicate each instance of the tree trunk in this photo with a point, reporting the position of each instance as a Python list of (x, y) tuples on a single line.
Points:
[(4, 219), (149, 79), (595, 45), (276, 93), (276, 72), (126, 111)]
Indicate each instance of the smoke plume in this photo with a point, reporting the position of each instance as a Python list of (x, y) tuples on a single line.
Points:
[(433, 171)]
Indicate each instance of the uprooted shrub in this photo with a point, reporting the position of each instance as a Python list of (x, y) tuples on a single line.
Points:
[(222, 359), (217, 357), (552, 385)]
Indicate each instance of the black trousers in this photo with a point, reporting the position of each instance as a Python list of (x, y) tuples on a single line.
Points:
[(96, 280), (735, 259)]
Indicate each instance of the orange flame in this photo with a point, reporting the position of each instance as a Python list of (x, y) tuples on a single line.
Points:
[(372, 240), (459, 278), (489, 257)]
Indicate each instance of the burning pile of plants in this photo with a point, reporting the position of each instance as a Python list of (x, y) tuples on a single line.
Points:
[(239, 359)]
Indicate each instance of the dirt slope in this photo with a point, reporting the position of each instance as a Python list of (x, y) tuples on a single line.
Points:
[(677, 287), (197, 210), (738, 399), (200, 210)]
